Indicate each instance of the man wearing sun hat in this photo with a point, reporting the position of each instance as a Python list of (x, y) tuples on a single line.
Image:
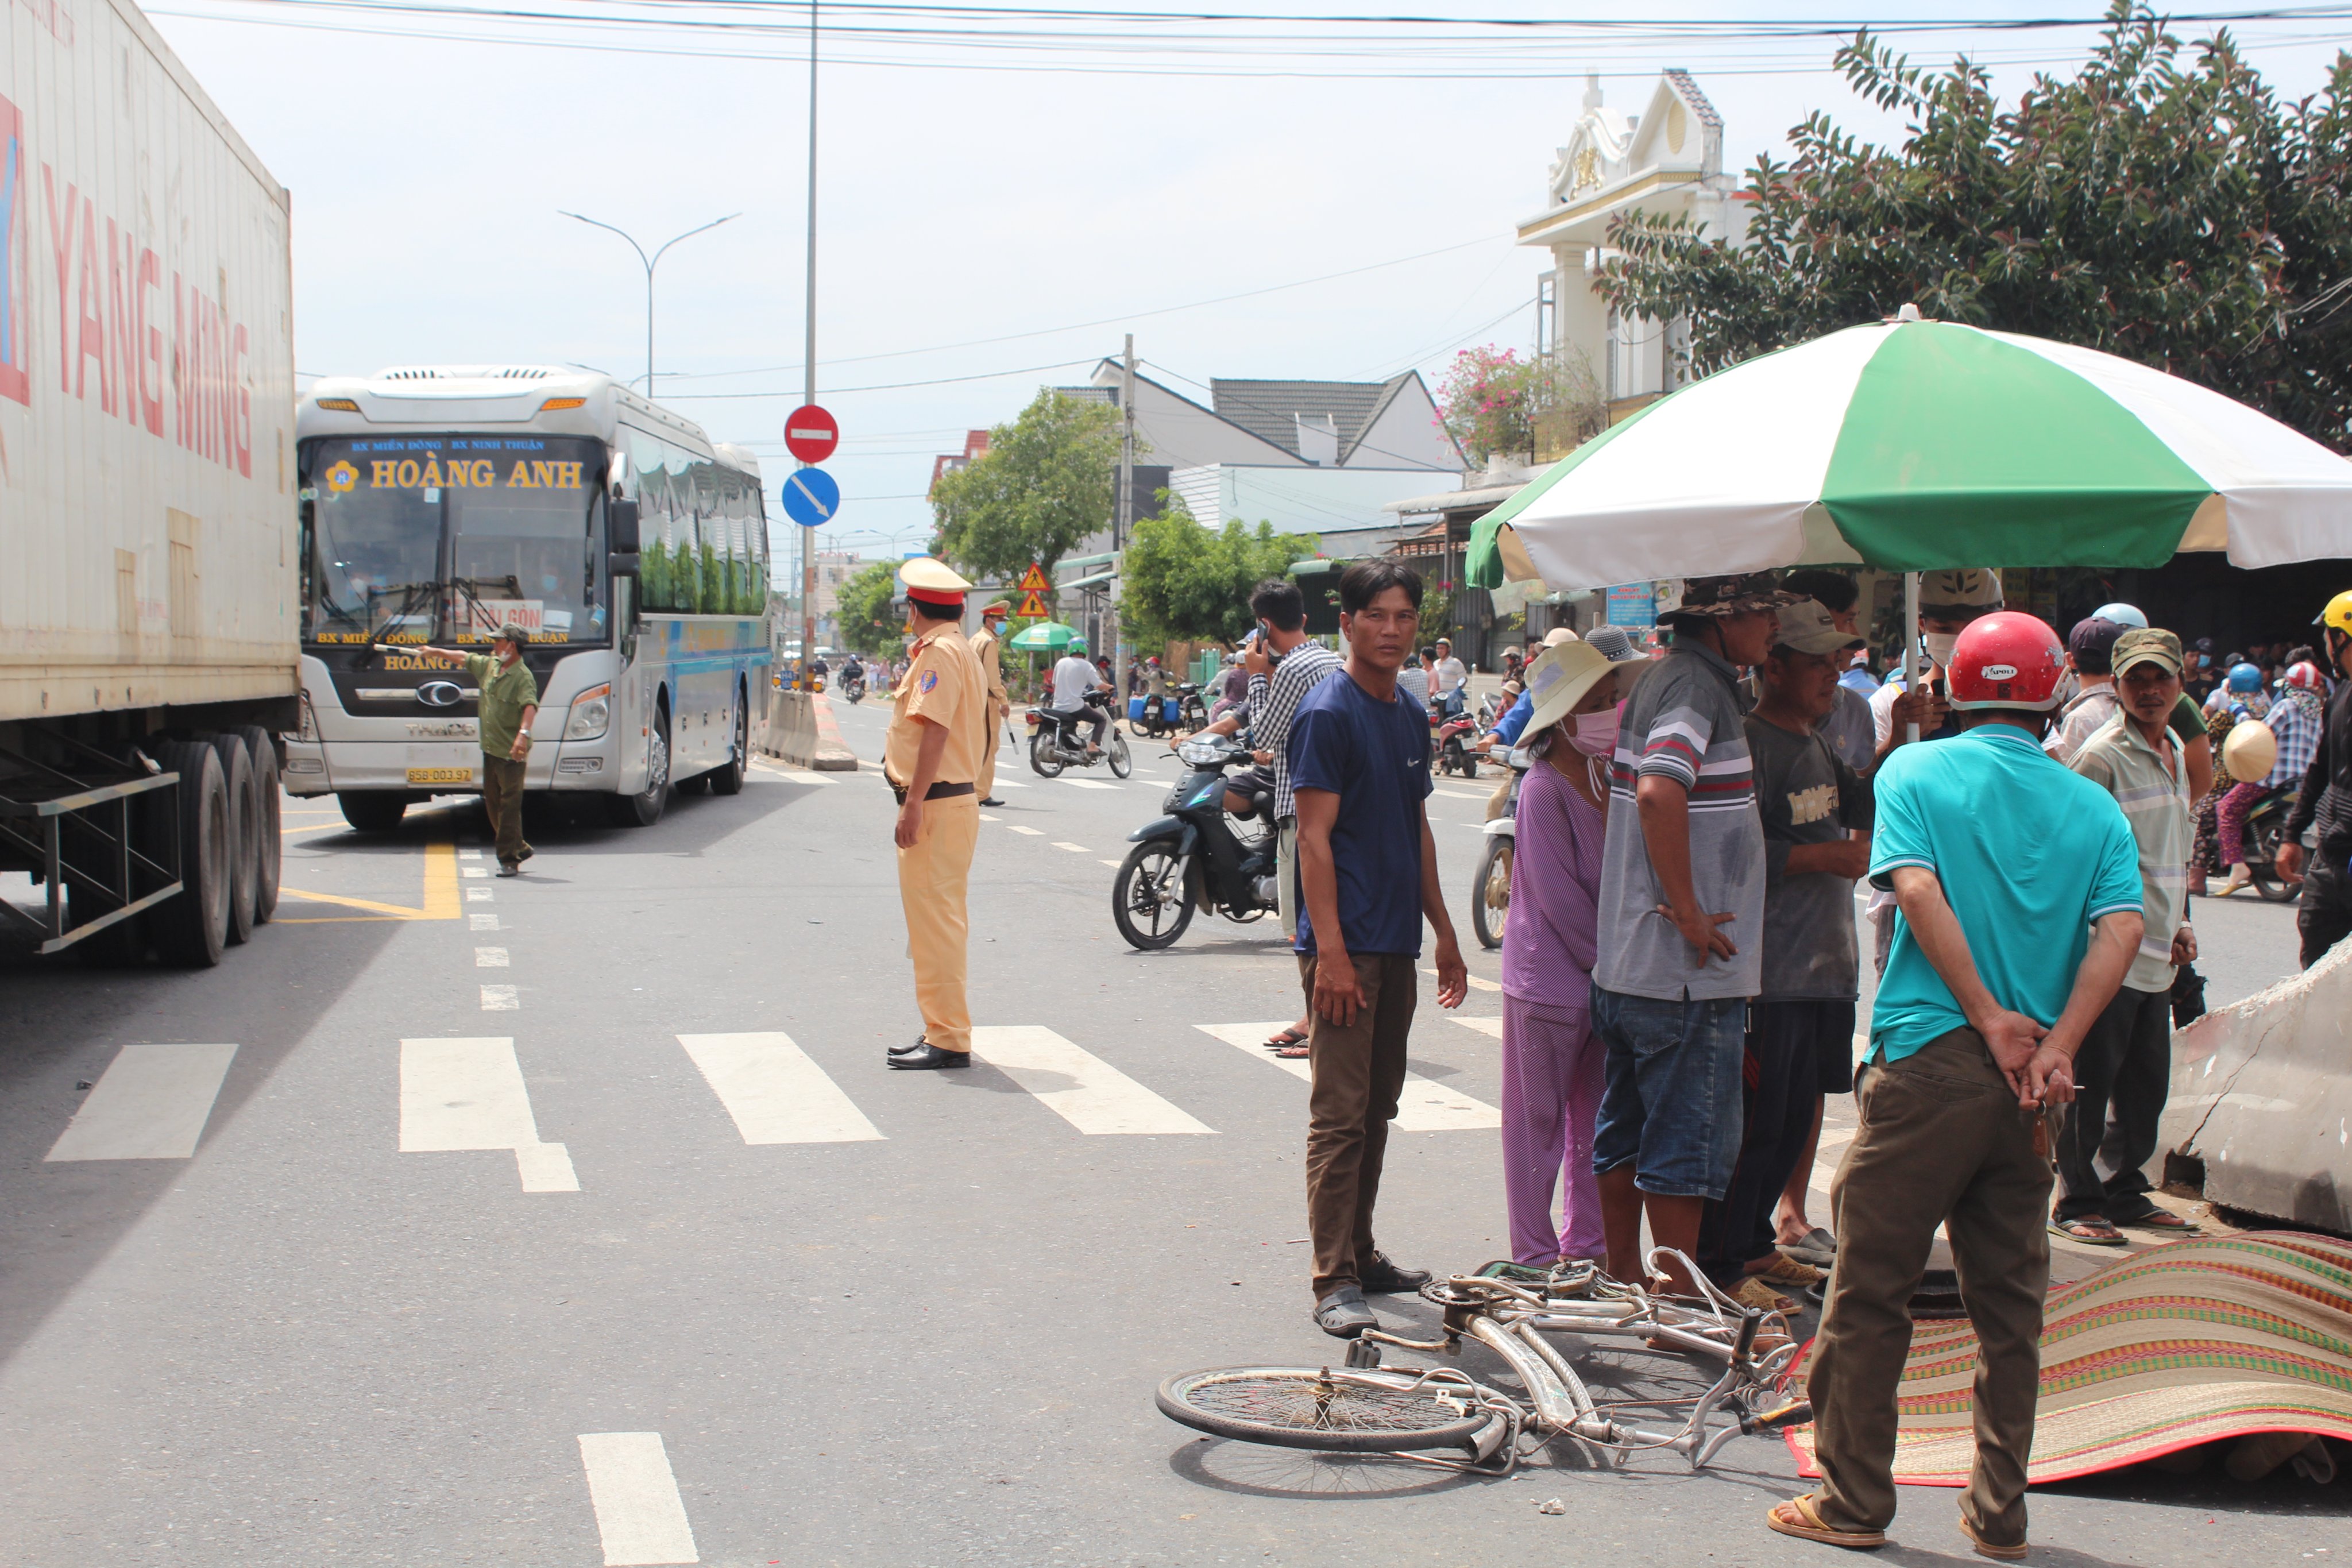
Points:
[(932, 755), (508, 706)]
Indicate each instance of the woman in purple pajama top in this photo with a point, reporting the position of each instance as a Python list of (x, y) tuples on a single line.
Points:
[(1551, 1058)]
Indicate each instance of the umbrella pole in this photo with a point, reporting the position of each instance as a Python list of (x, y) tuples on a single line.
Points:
[(1911, 644)]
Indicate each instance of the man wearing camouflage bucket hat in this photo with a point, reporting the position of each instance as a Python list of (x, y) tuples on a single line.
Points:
[(508, 705), (1681, 914)]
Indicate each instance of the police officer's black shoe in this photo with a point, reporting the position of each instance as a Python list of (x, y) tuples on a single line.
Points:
[(991, 800), (910, 1047), (930, 1056)]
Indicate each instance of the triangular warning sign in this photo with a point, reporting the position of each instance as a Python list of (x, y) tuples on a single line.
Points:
[(1031, 606), (1034, 581)]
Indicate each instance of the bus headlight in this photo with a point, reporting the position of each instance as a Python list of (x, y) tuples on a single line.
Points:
[(592, 711)]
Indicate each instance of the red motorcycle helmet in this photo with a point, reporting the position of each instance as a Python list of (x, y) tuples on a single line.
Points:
[(2006, 659), (2304, 675)]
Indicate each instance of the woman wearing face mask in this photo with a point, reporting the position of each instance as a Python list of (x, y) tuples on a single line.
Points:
[(1551, 1060)]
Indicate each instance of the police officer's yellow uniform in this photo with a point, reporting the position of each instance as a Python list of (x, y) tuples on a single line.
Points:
[(943, 684), (991, 670)]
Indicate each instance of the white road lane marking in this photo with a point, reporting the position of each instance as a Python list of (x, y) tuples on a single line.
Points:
[(640, 1518), (502, 999), (1114, 865), (1032, 832), (798, 775), (466, 1095), (1089, 784), (469, 854), (1011, 783), (1074, 848), (151, 1103), (774, 1091), (1458, 795), (1425, 1105), (479, 895), (1493, 1027), (989, 816), (1476, 983), (491, 958), (1080, 1087), (484, 922), (473, 871)]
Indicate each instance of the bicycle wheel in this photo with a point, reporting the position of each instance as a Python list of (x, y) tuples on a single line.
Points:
[(1338, 1412)]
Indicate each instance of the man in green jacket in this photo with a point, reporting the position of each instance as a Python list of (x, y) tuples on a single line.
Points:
[(509, 703)]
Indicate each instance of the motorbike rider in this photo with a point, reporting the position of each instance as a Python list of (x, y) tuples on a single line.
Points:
[(2326, 800), (1073, 678), (2296, 718)]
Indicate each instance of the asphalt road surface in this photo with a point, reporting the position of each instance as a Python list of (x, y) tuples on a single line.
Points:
[(575, 1219)]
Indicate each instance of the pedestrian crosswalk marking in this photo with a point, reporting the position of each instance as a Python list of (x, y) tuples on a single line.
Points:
[(491, 958), (469, 854), (1425, 1105), (479, 895), (1114, 863), (1484, 1025), (466, 1095), (775, 1091), (484, 922), (1074, 848), (471, 872), (1032, 832), (1089, 784), (502, 999), (640, 1518), (1080, 1087), (989, 816), (1458, 795), (151, 1103)]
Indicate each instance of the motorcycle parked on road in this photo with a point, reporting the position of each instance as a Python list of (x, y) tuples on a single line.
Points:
[(1452, 730), (1055, 743), (1181, 711), (1199, 855), (1490, 886)]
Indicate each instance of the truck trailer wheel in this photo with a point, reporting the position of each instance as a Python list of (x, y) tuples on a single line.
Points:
[(267, 866), (192, 927), (244, 834), (372, 811)]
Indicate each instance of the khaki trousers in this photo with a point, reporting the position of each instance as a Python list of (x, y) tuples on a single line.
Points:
[(503, 798), (1358, 1072), (1942, 1142), (932, 880), (985, 784)]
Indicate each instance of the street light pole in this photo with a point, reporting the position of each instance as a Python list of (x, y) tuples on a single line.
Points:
[(808, 358), (651, 262)]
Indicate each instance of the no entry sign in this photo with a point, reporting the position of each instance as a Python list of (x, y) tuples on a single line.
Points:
[(811, 434)]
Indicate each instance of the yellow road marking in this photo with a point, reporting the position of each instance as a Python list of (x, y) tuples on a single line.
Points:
[(440, 901)]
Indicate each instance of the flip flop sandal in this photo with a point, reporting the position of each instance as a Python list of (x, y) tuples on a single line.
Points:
[(1987, 1549), (1293, 1054), (1801, 1518), (2164, 1220), (2089, 1232), (1293, 1036)]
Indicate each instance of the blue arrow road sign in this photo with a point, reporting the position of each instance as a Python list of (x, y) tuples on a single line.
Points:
[(812, 498)]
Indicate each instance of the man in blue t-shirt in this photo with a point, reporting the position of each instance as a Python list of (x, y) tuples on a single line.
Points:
[(1358, 757), (2017, 913)]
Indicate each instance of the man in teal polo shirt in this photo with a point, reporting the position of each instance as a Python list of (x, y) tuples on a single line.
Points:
[(2018, 894)]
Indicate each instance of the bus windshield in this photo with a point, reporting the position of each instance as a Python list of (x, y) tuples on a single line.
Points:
[(415, 538)]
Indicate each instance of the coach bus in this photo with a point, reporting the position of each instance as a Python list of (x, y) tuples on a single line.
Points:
[(441, 502)]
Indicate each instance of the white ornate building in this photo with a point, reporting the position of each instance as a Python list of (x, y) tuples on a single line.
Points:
[(1666, 160)]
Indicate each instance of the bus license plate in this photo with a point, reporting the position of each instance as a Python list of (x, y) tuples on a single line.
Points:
[(440, 775)]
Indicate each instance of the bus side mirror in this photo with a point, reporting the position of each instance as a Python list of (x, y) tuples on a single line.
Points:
[(621, 531)]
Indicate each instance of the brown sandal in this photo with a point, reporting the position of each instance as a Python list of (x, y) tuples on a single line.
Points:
[(1987, 1549), (2090, 1230), (1281, 1043), (1800, 1517)]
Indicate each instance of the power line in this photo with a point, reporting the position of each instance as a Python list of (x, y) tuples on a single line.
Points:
[(884, 386)]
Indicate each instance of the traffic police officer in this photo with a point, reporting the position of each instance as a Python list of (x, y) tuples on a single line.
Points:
[(939, 718), (1000, 706)]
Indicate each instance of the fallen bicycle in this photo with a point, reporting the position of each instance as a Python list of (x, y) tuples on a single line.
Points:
[(1364, 1407)]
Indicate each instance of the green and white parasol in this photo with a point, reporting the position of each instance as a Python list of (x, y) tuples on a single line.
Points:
[(1912, 445)]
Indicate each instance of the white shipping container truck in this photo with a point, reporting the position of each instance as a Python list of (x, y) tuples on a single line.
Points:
[(148, 617)]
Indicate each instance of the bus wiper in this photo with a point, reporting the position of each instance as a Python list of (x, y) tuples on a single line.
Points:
[(409, 594)]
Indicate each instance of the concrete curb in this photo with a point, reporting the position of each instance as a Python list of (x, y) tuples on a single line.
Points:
[(833, 754)]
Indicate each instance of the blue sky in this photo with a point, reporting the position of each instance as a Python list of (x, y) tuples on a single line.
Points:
[(959, 204)]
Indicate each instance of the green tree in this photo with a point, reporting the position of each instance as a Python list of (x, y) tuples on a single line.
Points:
[(1182, 580), (2162, 205), (865, 618), (1046, 482)]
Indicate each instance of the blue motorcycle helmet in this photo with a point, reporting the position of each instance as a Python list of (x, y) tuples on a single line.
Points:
[(2122, 615), (2245, 678)]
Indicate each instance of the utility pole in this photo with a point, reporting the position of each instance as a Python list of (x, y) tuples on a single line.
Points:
[(808, 367), (1123, 515)]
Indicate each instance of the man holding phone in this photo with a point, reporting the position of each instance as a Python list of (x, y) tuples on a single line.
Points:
[(2018, 886)]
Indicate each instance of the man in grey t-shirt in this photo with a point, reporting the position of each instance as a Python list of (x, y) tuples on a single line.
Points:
[(1681, 917)]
